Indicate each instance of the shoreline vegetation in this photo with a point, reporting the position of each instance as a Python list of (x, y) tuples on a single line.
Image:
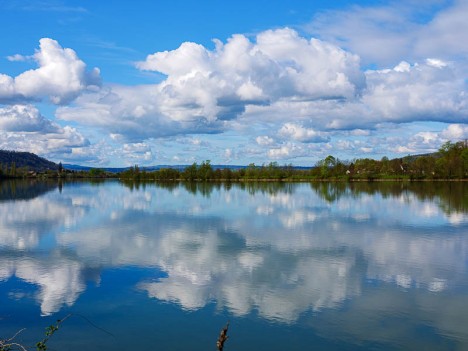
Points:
[(450, 163)]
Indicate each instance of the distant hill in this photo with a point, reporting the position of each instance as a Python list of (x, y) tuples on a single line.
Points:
[(26, 159), (412, 158), (122, 169), (72, 167), (158, 167)]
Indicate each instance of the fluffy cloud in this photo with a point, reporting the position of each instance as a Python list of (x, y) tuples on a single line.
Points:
[(426, 91), (299, 133), (204, 90), (24, 118), (423, 142), (286, 151), (22, 127), (264, 140), (302, 87), (455, 132), (137, 153), (137, 113), (61, 76), (279, 64)]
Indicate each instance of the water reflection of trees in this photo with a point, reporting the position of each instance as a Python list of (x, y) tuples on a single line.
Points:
[(134, 184), (206, 188), (201, 188), (25, 189), (329, 191), (451, 196), (270, 188)]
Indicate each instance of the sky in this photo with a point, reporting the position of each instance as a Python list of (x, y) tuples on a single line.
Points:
[(118, 83)]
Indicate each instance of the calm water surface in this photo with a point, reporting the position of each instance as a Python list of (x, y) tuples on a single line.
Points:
[(292, 266)]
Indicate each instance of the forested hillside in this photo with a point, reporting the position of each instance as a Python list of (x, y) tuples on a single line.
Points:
[(14, 160)]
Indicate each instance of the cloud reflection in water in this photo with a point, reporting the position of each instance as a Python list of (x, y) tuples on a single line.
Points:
[(278, 250)]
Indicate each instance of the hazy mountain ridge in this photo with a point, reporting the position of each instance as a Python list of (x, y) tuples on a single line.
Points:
[(157, 167)]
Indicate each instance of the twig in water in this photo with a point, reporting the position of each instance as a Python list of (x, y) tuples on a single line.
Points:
[(222, 337), (50, 330), (8, 344)]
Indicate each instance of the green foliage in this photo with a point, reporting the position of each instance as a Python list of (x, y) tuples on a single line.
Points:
[(451, 162), (190, 172), (50, 330), (205, 171), (97, 173), (10, 344)]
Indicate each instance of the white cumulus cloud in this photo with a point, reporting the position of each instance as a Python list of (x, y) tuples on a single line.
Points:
[(455, 132), (426, 91), (276, 87), (61, 76), (205, 89), (263, 140), (22, 127), (299, 133)]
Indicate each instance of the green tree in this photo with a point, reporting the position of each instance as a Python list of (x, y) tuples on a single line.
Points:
[(464, 157), (205, 171), (226, 174), (13, 169), (451, 164), (190, 172), (251, 171), (326, 166), (96, 172)]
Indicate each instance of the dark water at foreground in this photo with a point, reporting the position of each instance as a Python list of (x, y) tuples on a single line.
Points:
[(379, 266)]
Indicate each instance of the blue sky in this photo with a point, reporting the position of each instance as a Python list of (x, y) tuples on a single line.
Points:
[(118, 83)]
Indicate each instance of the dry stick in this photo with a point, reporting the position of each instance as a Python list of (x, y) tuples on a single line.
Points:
[(222, 337), (14, 336), (11, 345), (7, 343)]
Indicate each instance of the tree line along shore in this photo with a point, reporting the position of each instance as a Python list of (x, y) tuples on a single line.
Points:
[(449, 163)]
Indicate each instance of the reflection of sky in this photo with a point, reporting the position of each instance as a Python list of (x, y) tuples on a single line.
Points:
[(280, 253)]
